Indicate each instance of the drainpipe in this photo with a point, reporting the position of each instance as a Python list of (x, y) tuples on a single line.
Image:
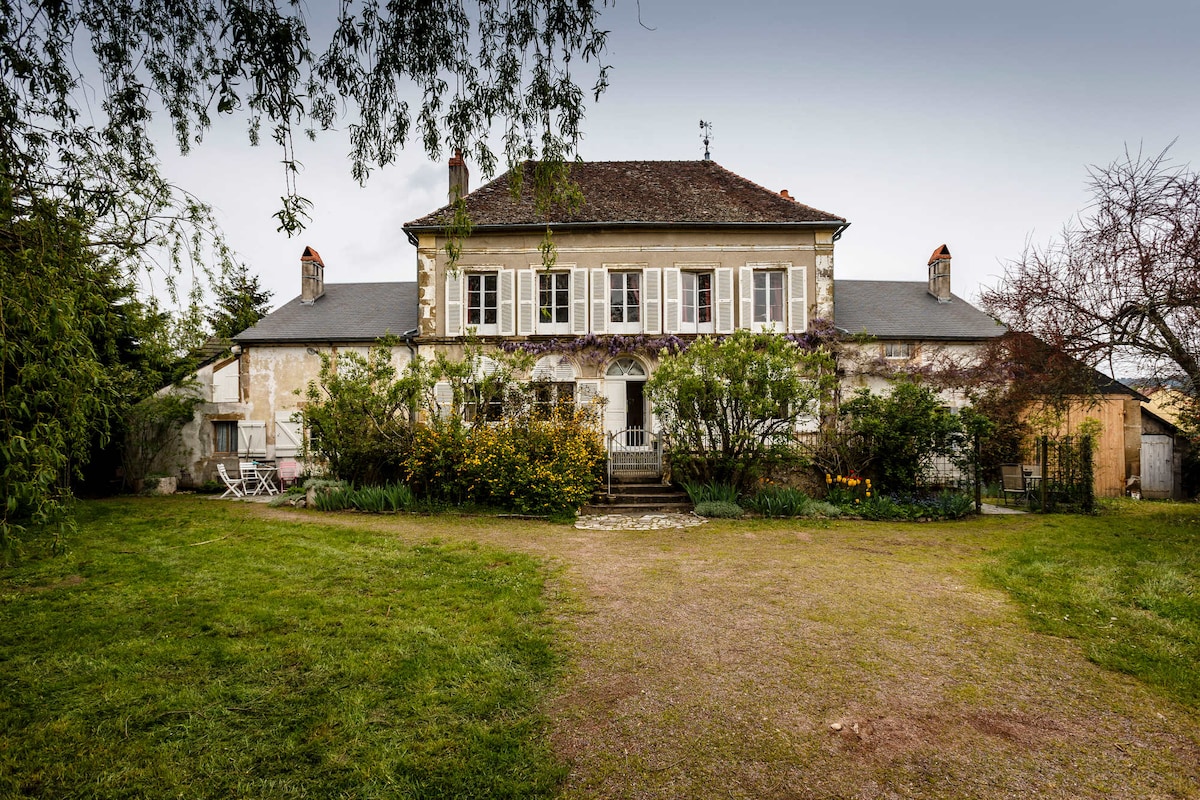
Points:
[(407, 338)]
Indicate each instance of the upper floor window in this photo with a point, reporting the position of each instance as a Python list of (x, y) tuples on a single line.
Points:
[(898, 350), (482, 301), (769, 308), (696, 302), (554, 302), (625, 302)]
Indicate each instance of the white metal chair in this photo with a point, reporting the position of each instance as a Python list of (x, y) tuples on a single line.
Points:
[(233, 486)]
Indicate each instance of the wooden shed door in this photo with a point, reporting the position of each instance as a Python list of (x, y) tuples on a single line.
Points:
[(1157, 457)]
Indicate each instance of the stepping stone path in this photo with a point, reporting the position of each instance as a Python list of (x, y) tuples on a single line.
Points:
[(644, 522)]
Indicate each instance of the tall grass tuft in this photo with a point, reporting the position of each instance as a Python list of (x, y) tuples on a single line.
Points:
[(780, 501), (369, 499), (711, 492)]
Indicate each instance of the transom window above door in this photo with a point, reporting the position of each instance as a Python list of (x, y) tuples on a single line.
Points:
[(625, 302), (482, 301), (626, 367)]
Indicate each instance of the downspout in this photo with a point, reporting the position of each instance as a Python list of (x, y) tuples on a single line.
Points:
[(407, 338)]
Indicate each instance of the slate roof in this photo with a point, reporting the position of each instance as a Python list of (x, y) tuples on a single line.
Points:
[(906, 310), (347, 312), (639, 193)]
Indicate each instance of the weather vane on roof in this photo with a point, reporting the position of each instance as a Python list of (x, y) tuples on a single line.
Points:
[(706, 137)]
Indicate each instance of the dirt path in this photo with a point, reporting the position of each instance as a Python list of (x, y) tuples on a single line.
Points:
[(767, 660)]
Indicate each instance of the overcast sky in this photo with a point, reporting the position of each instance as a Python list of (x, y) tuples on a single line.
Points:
[(922, 123)]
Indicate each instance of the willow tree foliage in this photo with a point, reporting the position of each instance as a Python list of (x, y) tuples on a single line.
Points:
[(730, 406), (83, 81)]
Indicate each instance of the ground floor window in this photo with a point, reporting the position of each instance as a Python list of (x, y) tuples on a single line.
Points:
[(478, 406), (549, 397), (225, 437)]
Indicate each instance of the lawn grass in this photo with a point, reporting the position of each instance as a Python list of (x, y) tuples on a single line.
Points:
[(1125, 584), (185, 649), (188, 647)]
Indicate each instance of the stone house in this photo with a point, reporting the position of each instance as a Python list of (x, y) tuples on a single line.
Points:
[(250, 396), (656, 251)]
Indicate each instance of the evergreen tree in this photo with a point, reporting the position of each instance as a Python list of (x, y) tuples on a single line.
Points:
[(241, 302)]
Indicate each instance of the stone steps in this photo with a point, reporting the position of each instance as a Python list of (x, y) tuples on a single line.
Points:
[(638, 498)]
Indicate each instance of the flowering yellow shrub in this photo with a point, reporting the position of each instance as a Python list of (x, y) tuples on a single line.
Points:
[(530, 464)]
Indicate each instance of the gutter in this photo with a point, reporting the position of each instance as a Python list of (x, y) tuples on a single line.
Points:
[(524, 227)]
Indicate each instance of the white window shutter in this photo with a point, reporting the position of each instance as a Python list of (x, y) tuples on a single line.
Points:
[(443, 398), (797, 300), (486, 368), (543, 370), (289, 435), (225, 383), (652, 300), (599, 300), (746, 290), (454, 304), (587, 392), (564, 372), (507, 310), (526, 301), (579, 302), (724, 300), (252, 438), (671, 291)]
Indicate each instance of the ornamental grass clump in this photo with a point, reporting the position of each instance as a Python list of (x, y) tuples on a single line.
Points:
[(779, 501), (711, 492)]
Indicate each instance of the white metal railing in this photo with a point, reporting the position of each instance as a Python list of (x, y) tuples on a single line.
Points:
[(633, 451)]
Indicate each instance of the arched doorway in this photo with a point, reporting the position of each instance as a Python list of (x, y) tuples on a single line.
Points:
[(627, 408)]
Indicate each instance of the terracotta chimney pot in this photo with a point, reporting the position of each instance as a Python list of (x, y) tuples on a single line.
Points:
[(939, 274), (312, 276), (460, 177)]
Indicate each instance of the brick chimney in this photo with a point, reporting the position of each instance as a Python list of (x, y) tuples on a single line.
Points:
[(312, 276), (939, 274), (460, 177)]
